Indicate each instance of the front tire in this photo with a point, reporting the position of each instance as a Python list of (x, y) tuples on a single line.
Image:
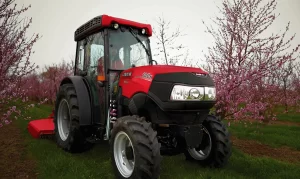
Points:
[(135, 150), (216, 147), (66, 121)]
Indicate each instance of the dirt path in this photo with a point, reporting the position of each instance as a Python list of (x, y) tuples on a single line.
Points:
[(255, 148), (14, 162)]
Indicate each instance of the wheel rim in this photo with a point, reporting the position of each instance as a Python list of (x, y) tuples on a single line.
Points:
[(124, 154), (63, 119), (202, 154)]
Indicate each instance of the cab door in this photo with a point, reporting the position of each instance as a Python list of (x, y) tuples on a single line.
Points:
[(90, 62)]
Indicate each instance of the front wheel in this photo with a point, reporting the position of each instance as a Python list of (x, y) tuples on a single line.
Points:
[(135, 150), (215, 148)]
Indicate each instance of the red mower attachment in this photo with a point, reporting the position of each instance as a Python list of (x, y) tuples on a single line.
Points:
[(42, 128)]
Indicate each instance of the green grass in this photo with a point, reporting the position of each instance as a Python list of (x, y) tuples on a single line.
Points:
[(273, 135), (291, 116), (240, 166), (55, 163), (52, 162)]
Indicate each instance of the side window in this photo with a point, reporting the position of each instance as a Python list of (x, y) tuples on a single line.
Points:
[(95, 54), (138, 56), (80, 57)]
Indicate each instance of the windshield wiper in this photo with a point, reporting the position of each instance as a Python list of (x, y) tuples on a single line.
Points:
[(139, 40)]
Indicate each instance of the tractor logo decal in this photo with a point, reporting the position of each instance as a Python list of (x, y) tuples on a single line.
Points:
[(126, 74), (147, 76)]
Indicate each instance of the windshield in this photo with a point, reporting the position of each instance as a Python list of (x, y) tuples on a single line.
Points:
[(126, 50)]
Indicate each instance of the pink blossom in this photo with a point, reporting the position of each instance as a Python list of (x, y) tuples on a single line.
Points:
[(15, 50), (249, 70)]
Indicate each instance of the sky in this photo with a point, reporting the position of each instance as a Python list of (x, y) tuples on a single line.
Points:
[(57, 20)]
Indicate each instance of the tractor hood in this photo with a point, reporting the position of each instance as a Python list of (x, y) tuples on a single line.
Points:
[(167, 73), (159, 69), (157, 77), (157, 82)]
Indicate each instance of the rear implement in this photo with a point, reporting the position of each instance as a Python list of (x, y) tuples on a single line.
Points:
[(41, 128)]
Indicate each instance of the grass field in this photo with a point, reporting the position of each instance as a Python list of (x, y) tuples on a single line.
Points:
[(292, 116), (289, 117), (273, 135), (52, 162)]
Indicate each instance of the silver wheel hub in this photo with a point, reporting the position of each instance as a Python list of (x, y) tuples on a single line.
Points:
[(203, 153), (124, 154), (63, 119)]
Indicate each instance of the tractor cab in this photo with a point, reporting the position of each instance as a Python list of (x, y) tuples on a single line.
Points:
[(106, 46)]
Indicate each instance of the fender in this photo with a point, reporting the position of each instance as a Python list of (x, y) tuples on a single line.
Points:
[(141, 102), (144, 105), (83, 96), (137, 102)]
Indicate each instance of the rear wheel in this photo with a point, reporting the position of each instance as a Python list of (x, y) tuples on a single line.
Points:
[(215, 149), (135, 151), (66, 121)]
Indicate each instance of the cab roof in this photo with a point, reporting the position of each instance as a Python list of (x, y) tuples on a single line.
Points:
[(104, 21)]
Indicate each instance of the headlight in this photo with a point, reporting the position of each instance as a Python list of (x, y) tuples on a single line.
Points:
[(210, 93), (182, 93)]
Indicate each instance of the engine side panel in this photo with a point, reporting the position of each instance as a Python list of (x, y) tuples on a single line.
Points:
[(133, 81)]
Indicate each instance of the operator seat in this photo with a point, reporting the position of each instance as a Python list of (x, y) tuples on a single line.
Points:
[(117, 64)]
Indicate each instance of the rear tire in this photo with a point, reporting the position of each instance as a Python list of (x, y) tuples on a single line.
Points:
[(66, 121), (216, 139), (142, 159)]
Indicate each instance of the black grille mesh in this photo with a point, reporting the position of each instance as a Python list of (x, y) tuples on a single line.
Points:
[(93, 23)]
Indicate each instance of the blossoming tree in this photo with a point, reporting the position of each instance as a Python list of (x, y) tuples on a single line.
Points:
[(15, 52), (244, 57)]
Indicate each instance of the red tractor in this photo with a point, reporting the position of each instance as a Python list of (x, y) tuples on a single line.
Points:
[(120, 94)]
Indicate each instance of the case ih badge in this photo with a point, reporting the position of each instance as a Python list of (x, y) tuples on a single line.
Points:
[(162, 112), (147, 76), (126, 74)]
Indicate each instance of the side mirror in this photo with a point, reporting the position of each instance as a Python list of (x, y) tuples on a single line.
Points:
[(154, 61)]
